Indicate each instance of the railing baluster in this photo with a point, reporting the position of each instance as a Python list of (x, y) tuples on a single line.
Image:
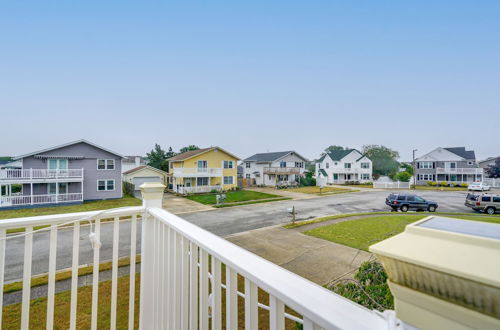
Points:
[(231, 299), (114, 271), (74, 275), (276, 313), (166, 276), (52, 277), (157, 276), (185, 284), (28, 251), (95, 276), (216, 295), (193, 286), (177, 271), (2, 269), (309, 325), (133, 253), (171, 279), (203, 289), (251, 307)]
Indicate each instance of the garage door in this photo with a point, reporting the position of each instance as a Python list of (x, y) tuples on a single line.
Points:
[(141, 179)]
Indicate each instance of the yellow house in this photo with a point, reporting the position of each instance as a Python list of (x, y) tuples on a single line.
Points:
[(203, 170)]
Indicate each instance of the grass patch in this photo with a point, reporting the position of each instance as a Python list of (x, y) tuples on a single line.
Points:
[(253, 202), (361, 233), (232, 197), (86, 206), (64, 275), (315, 189), (359, 185)]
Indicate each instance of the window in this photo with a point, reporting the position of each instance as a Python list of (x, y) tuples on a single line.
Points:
[(496, 199), (425, 177), (347, 165), (105, 185), (248, 164), (486, 199), (228, 180), (365, 165), (247, 176), (426, 165), (365, 176), (299, 164), (401, 197), (58, 164), (419, 199), (470, 163), (105, 164), (202, 181), (202, 164), (336, 163), (410, 198), (327, 165), (228, 164), (282, 164), (319, 165), (57, 188)]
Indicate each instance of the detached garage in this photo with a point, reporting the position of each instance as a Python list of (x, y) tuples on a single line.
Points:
[(144, 173)]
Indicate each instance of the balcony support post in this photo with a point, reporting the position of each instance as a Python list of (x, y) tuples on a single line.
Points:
[(152, 196)]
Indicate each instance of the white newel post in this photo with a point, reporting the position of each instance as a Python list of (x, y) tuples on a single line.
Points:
[(152, 196)]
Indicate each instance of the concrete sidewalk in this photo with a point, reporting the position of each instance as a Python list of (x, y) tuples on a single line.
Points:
[(317, 260)]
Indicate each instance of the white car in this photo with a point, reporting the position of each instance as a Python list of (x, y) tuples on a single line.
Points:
[(479, 186)]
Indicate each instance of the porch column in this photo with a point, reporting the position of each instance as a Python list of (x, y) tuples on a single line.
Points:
[(31, 193), (152, 196)]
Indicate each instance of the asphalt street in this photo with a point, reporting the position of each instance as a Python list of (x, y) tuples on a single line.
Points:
[(222, 222)]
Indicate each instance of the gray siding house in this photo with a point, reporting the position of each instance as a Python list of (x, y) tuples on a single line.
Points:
[(69, 173), (451, 165)]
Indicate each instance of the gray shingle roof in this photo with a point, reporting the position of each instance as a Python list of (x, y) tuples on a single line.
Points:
[(460, 151), (337, 154), (267, 156)]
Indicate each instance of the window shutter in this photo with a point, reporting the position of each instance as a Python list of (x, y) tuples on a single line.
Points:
[(433, 165), (418, 165)]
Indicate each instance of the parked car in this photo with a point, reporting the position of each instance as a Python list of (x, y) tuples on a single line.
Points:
[(479, 186), (483, 203), (406, 202)]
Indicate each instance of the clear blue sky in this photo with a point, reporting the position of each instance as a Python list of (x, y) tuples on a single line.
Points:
[(251, 77)]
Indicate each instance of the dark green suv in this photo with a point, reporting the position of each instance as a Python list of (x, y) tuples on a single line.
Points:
[(406, 202)]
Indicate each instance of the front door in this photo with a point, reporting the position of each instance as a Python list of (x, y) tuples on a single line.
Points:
[(335, 177), (187, 182)]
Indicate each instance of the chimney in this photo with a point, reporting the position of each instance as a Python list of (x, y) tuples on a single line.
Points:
[(444, 273), (137, 161)]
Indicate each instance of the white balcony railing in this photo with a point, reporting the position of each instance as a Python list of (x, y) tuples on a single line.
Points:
[(39, 174), (197, 172), (197, 189), (281, 170), (443, 170), (21, 200), (181, 275)]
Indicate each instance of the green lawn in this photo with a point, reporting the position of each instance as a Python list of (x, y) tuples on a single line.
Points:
[(316, 190), (361, 233), (232, 197), (441, 188), (86, 206)]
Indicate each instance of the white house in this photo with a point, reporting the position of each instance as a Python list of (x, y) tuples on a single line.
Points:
[(339, 166), (274, 168)]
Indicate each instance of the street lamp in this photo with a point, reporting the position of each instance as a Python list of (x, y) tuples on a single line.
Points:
[(414, 170)]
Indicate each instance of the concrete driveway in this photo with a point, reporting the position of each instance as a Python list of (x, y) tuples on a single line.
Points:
[(178, 205), (317, 260)]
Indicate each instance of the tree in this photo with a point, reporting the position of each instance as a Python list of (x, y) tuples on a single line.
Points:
[(157, 158), (403, 176), (332, 148), (408, 168), (170, 153), (493, 171), (188, 148), (384, 160)]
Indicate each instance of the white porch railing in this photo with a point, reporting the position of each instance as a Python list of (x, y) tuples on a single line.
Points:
[(38, 174), (197, 189), (196, 172), (392, 185), (281, 170), (21, 200), (181, 276), (445, 170)]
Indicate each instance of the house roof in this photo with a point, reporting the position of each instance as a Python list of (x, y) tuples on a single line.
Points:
[(193, 153), (323, 172), (5, 160), (338, 154), (65, 145), (460, 151), (138, 168), (270, 156)]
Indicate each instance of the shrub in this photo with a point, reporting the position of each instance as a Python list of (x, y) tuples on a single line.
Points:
[(369, 287), (403, 176), (464, 185), (214, 191), (432, 183), (443, 184), (458, 185)]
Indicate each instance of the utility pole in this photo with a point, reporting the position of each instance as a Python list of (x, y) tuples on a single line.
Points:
[(414, 171)]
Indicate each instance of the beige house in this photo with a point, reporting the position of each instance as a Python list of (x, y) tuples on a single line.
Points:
[(145, 173)]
